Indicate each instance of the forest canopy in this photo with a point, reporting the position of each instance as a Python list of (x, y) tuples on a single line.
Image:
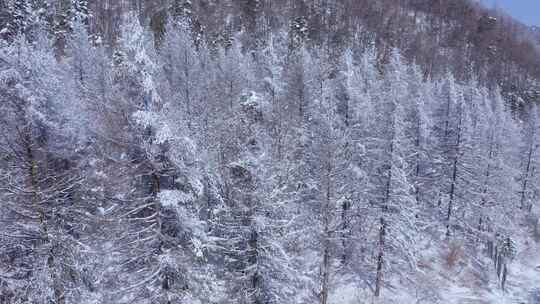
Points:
[(267, 152)]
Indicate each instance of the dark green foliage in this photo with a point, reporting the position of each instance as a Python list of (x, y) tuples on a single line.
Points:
[(80, 11), (298, 32), (508, 248), (181, 10), (19, 14)]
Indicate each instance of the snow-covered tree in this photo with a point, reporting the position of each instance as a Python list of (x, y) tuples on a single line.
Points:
[(42, 222), (19, 19), (266, 161), (80, 11), (529, 159), (396, 199)]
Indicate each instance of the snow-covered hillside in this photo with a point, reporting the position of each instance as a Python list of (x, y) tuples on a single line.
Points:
[(279, 161)]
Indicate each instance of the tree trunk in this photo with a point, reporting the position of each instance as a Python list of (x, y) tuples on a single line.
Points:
[(527, 172), (59, 296), (186, 89), (488, 170), (346, 205), (503, 279), (382, 231), (380, 259), (325, 271), (454, 174), (418, 143), (325, 275)]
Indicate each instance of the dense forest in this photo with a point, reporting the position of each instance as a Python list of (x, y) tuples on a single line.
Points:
[(267, 151)]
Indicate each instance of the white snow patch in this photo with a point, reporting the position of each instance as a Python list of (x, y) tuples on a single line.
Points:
[(171, 198)]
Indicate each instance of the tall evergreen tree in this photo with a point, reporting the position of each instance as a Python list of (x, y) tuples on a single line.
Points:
[(19, 19)]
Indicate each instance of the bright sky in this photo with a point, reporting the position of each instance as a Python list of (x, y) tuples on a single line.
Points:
[(527, 11)]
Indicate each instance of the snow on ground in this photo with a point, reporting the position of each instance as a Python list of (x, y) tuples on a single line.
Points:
[(472, 280), (524, 276), (477, 282)]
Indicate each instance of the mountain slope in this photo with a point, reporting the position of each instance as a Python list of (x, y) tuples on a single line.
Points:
[(261, 152)]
